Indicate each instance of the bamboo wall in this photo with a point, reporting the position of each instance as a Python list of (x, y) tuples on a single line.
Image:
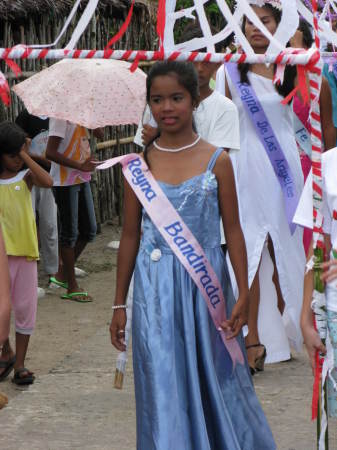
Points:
[(44, 28)]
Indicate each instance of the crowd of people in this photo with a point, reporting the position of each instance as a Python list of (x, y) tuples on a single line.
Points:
[(204, 148), (57, 194)]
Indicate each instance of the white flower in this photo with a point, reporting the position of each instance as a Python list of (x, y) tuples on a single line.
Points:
[(156, 254)]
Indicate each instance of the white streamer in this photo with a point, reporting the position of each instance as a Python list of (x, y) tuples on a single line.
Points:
[(287, 27), (82, 24), (80, 27), (291, 9), (64, 29)]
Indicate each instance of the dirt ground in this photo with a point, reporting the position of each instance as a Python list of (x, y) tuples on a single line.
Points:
[(75, 335), (63, 325)]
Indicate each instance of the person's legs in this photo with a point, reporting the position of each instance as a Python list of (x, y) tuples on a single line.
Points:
[(276, 281), (48, 231), (21, 345), (252, 340), (24, 303), (87, 226), (254, 301), (6, 357), (67, 200), (255, 351), (73, 205)]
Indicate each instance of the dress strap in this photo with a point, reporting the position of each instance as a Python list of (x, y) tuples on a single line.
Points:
[(214, 157)]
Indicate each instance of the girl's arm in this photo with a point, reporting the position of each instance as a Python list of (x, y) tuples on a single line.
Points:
[(4, 293), (311, 338), (89, 165), (127, 254), (37, 176), (328, 128), (235, 240)]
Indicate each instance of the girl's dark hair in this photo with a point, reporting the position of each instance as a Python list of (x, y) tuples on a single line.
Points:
[(290, 71), (12, 138), (306, 32), (186, 75)]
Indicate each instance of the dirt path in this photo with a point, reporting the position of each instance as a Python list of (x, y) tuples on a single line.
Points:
[(74, 362)]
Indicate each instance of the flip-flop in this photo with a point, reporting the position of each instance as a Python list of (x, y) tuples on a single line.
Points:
[(62, 284), (80, 297), (8, 366), (23, 380)]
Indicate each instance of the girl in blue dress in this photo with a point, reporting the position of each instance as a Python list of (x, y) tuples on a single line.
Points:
[(189, 396)]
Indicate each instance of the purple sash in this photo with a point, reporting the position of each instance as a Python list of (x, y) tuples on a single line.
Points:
[(180, 239), (270, 143)]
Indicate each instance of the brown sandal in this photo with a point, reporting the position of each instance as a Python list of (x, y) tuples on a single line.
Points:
[(259, 362), (23, 377)]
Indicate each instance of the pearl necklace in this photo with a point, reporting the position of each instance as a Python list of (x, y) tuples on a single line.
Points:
[(174, 150)]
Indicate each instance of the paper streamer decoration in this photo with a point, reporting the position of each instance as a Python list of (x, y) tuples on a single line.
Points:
[(81, 26), (291, 11), (286, 29)]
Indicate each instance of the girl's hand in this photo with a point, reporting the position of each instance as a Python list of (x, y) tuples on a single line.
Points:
[(117, 329), (25, 147), (89, 165), (148, 134), (238, 319), (329, 270), (312, 342)]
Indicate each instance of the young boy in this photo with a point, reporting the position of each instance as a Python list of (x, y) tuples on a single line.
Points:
[(216, 117), (68, 149), (304, 217)]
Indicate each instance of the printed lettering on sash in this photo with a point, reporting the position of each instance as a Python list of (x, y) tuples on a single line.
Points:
[(269, 141), (180, 239)]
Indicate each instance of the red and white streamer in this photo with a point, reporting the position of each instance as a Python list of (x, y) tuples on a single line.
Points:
[(318, 304), (308, 57)]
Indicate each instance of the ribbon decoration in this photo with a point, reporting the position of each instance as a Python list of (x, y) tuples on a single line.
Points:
[(161, 24), (82, 24), (4, 87), (123, 28), (4, 90), (318, 303), (302, 72), (270, 143), (64, 29), (149, 55), (180, 239)]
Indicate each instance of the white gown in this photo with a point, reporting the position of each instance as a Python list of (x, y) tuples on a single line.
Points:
[(262, 213)]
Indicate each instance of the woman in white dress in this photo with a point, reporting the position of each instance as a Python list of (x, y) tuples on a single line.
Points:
[(276, 257)]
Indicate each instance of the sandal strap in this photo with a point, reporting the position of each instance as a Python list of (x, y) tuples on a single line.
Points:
[(17, 372), (254, 345)]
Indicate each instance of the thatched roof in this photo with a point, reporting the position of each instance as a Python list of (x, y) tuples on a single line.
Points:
[(19, 8), (14, 9)]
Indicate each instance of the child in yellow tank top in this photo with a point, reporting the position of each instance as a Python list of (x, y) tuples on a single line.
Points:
[(19, 231)]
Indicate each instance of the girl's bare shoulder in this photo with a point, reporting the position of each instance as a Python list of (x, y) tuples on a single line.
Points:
[(223, 164)]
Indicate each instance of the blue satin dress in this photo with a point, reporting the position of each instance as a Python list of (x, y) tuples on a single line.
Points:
[(188, 397)]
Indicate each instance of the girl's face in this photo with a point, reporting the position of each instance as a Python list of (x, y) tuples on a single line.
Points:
[(11, 162), (170, 103), (254, 36)]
